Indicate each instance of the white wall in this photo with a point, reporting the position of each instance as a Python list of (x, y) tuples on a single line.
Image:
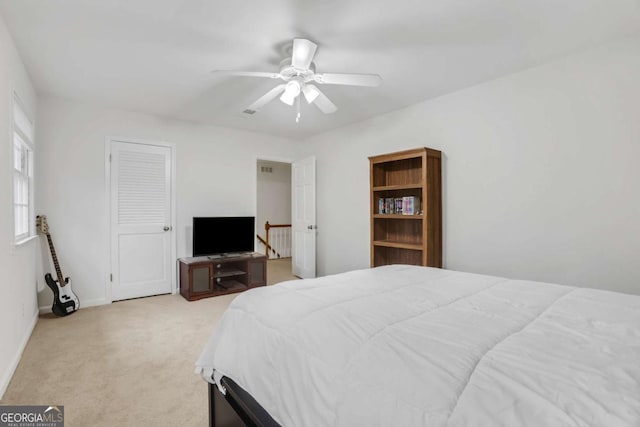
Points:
[(17, 263), (215, 176), (541, 176), (274, 196)]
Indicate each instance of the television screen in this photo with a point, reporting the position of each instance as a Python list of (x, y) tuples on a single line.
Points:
[(221, 235)]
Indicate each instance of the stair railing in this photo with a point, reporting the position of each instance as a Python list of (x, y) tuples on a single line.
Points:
[(278, 238)]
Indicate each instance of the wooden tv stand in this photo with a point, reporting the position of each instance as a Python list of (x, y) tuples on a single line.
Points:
[(209, 276)]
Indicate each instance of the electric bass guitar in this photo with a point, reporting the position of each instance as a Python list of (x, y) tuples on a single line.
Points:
[(64, 300)]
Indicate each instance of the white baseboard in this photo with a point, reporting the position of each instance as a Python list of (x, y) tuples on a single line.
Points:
[(83, 304), (16, 359)]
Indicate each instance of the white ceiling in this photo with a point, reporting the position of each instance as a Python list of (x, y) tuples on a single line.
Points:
[(155, 55)]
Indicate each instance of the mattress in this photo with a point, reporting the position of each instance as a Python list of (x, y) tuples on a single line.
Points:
[(416, 346)]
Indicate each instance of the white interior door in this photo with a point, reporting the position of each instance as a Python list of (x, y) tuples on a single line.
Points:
[(303, 217), (141, 225)]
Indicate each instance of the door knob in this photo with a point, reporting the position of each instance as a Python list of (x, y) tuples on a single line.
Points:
[(166, 228)]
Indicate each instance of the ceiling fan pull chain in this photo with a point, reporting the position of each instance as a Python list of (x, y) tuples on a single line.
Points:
[(298, 108)]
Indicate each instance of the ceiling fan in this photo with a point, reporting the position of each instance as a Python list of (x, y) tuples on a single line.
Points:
[(299, 74)]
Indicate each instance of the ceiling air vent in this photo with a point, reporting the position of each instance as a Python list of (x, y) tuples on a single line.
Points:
[(249, 111)]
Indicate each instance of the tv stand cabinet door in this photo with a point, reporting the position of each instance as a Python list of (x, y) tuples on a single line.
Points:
[(200, 279), (257, 272)]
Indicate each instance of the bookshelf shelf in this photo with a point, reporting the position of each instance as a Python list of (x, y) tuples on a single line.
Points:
[(406, 181), (397, 187), (398, 245), (396, 216)]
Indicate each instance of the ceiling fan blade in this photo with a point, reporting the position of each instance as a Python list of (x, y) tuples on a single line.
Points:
[(323, 103), (303, 52), (248, 73), (265, 99), (371, 80)]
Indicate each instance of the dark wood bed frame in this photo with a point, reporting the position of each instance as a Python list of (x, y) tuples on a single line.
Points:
[(237, 408)]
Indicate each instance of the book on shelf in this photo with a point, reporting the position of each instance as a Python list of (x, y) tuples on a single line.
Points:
[(410, 205), (398, 205), (389, 205)]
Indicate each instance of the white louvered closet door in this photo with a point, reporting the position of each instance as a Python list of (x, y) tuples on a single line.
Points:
[(140, 220)]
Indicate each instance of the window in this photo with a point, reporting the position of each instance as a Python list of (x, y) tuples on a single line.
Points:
[(22, 173)]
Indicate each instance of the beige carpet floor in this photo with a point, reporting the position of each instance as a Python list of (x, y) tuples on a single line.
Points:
[(130, 363)]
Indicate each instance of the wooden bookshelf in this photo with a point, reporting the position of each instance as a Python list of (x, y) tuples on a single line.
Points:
[(397, 238)]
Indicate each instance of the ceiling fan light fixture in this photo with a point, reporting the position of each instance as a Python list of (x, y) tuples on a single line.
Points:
[(310, 93), (291, 91), (287, 98), (293, 87)]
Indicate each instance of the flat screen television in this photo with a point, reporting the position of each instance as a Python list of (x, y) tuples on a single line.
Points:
[(223, 235)]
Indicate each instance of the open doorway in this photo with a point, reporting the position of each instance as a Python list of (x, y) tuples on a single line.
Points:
[(273, 217)]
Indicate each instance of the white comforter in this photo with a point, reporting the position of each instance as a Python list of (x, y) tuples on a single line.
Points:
[(415, 346)]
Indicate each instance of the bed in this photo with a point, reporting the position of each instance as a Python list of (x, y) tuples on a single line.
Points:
[(416, 346)]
